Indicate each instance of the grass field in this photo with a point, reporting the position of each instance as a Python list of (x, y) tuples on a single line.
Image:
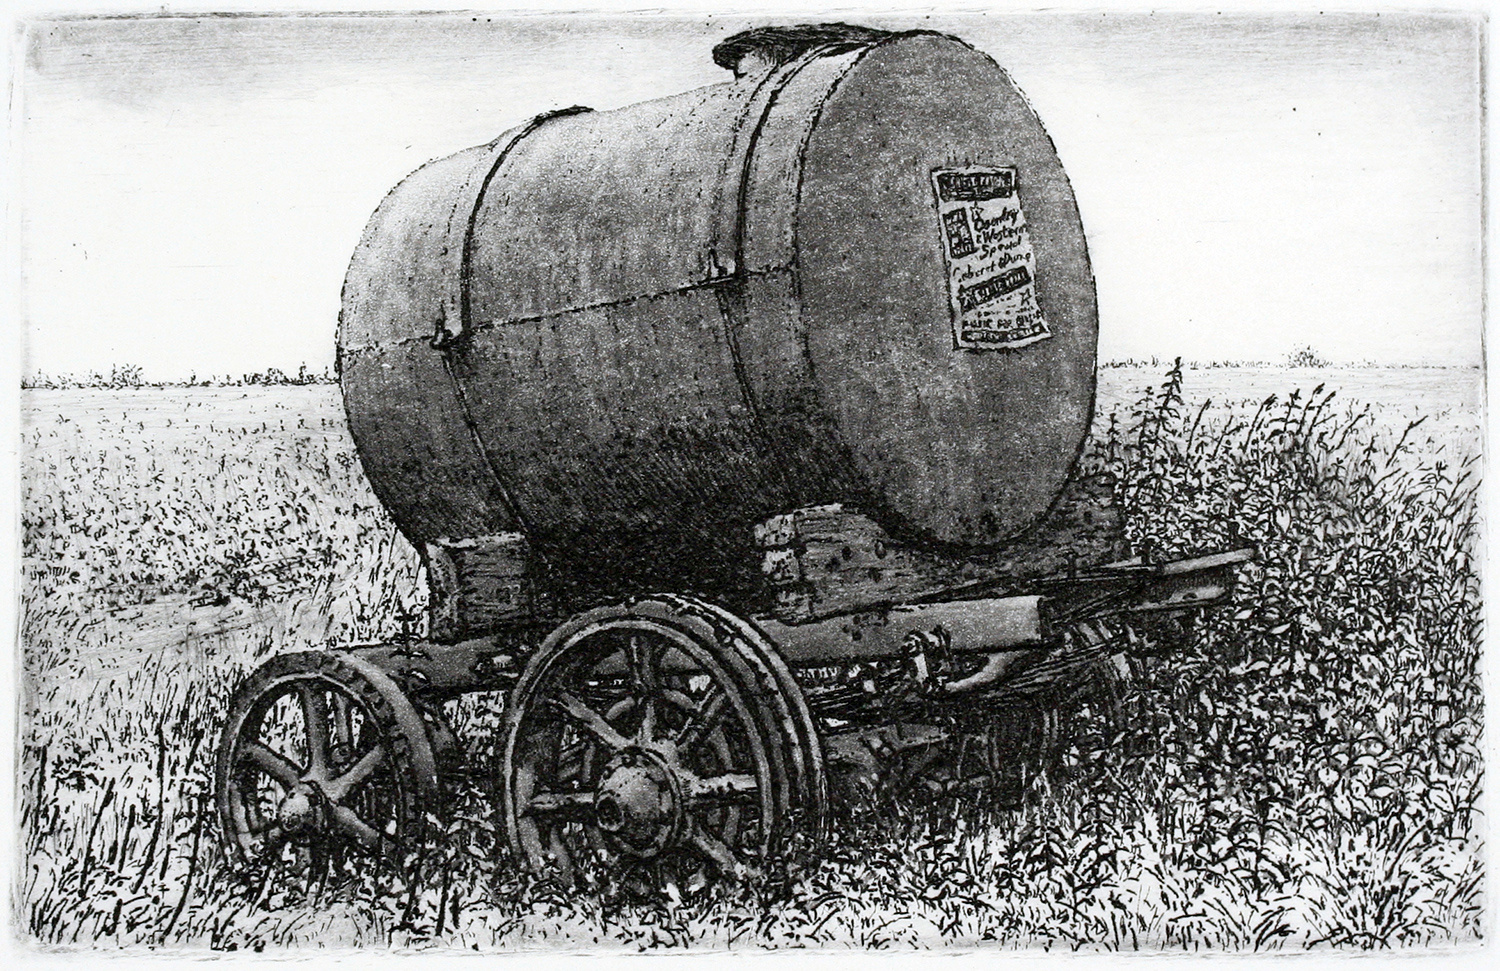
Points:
[(1305, 775)]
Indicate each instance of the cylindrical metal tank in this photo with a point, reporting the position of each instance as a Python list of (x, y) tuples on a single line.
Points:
[(854, 273)]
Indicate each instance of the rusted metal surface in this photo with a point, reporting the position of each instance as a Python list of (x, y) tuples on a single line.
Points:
[(682, 317), (407, 419)]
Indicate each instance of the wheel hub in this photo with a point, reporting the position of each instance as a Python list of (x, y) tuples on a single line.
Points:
[(638, 802), (301, 812)]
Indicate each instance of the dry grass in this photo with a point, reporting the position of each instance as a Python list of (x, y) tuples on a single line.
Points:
[(1305, 776)]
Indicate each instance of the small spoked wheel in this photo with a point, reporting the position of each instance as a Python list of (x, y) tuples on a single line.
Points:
[(661, 743), (1092, 701), (323, 759), (1074, 695)]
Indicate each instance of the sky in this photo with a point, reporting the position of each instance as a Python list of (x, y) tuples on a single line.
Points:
[(190, 190)]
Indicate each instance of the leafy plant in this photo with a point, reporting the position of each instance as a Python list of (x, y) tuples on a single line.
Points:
[(1304, 773)]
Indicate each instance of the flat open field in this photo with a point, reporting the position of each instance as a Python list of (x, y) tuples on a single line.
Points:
[(1306, 776), (1448, 401), (1451, 399)]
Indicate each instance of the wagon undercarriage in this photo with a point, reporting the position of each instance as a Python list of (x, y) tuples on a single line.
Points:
[(816, 345), (669, 735)]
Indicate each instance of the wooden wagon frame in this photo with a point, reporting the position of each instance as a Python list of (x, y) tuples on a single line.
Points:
[(566, 417), (666, 732)]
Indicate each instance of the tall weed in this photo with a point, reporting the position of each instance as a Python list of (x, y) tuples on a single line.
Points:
[(1303, 772), (1336, 709)]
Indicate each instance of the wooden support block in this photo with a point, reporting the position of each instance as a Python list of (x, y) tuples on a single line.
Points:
[(442, 593), (823, 561), (826, 560), (479, 583)]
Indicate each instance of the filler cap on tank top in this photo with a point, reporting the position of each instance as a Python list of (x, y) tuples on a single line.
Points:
[(761, 49)]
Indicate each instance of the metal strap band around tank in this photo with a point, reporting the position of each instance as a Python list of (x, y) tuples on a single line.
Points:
[(802, 334), (729, 217), (455, 307), (463, 217), (733, 196)]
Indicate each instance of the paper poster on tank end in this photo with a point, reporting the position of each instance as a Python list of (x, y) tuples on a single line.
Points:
[(988, 255)]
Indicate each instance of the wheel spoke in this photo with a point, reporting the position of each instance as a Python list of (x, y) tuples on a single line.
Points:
[(337, 789), (349, 822), (590, 719), (736, 787), (636, 650), (569, 760), (273, 764), (562, 857), (562, 803), (343, 724), (702, 724), (717, 851), (643, 676), (315, 713)]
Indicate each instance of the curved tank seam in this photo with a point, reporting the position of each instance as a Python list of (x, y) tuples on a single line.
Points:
[(715, 269), (482, 326), (345, 350), (365, 242), (465, 269), (794, 262), (790, 264), (466, 259), (730, 293)]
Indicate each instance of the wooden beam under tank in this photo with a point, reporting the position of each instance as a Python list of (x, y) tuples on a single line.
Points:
[(965, 626)]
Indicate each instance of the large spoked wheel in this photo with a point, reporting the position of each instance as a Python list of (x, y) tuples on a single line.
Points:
[(323, 759), (657, 743)]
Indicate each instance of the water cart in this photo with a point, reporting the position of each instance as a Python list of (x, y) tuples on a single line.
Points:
[(738, 432)]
